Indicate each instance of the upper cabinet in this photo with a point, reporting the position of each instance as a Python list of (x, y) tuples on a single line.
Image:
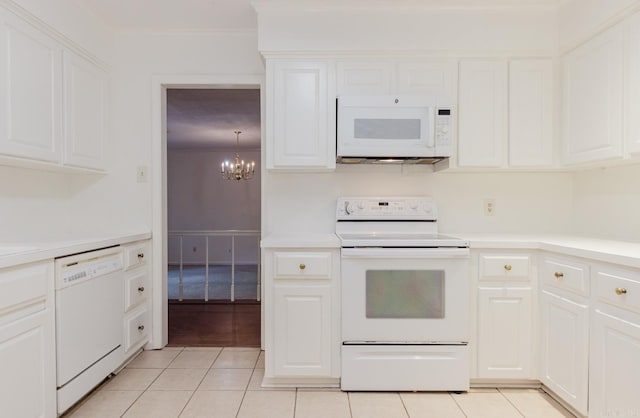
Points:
[(592, 99), (632, 84), (301, 114), (53, 109), (531, 113), (419, 77), (30, 74), (482, 112), (85, 112), (505, 116)]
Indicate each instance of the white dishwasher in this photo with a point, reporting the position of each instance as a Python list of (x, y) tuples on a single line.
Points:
[(89, 315)]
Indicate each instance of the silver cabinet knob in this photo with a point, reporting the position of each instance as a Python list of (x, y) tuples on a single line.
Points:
[(141, 255), (140, 327), (141, 289)]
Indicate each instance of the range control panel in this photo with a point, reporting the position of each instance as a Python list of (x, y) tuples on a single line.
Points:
[(392, 208)]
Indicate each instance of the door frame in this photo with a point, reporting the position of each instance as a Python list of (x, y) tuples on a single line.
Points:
[(158, 176)]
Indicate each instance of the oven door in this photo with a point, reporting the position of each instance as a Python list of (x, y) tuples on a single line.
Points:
[(405, 295)]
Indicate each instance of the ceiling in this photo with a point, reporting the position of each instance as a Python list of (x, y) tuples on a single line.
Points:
[(207, 118)]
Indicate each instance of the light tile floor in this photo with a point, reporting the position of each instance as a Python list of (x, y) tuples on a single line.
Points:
[(220, 383)]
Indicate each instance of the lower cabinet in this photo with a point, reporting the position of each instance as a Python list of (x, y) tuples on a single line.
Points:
[(302, 338), (136, 296), (564, 350), (614, 360), (302, 334), (27, 341), (505, 321)]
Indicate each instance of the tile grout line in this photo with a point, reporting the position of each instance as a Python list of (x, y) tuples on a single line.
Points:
[(511, 403), (199, 384), (458, 404), (406, 411)]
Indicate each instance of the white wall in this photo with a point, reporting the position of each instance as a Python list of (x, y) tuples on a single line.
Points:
[(607, 202), (525, 202), (200, 199), (140, 57)]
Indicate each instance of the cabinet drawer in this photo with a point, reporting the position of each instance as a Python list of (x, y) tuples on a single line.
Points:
[(565, 274), (312, 265), (501, 266), (136, 328), (618, 287), (23, 286), (136, 288), (136, 255)]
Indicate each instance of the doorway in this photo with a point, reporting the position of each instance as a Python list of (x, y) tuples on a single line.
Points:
[(213, 284)]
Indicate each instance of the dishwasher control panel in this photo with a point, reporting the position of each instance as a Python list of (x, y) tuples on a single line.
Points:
[(83, 267)]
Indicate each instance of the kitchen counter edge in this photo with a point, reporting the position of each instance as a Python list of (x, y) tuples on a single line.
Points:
[(53, 249)]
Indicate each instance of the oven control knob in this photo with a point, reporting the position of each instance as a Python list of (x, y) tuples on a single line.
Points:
[(413, 205), (361, 205), (348, 208)]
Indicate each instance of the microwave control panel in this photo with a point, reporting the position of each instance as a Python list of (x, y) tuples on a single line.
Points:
[(443, 130)]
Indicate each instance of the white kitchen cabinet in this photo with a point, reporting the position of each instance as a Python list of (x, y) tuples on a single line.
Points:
[(302, 333), (85, 112), (564, 329), (418, 77), (531, 113), (301, 114), (482, 113), (137, 288), (614, 365), (31, 79), (506, 326), (53, 115), (27, 341), (592, 115), (365, 78), (505, 333), (632, 84), (434, 78)]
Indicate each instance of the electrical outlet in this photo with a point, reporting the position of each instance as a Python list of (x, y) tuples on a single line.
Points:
[(141, 173), (489, 207)]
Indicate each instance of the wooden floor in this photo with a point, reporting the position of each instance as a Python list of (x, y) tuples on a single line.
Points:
[(214, 324)]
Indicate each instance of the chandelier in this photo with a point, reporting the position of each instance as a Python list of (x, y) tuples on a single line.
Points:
[(238, 170)]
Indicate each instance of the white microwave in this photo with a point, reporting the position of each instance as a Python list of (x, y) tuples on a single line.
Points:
[(392, 128)]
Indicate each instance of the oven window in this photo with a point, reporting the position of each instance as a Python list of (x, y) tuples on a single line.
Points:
[(405, 294)]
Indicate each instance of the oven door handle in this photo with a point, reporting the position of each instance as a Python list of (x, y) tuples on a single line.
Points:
[(439, 253)]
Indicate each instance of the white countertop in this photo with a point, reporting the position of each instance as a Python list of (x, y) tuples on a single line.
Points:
[(608, 251), (16, 253)]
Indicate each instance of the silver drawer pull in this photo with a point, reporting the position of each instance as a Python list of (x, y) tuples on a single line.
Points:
[(140, 327), (559, 275), (141, 289), (140, 255), (621, 291)]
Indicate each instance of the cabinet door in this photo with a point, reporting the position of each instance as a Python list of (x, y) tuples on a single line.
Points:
[(437, 78), (614, 367), (302, 330), (632, 83), (301, 117), (361, 78), (27, 361), (565, 340), (482, 110), (592, 99), (85, 112), (530, 113), (505, 329), (30, 75)]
